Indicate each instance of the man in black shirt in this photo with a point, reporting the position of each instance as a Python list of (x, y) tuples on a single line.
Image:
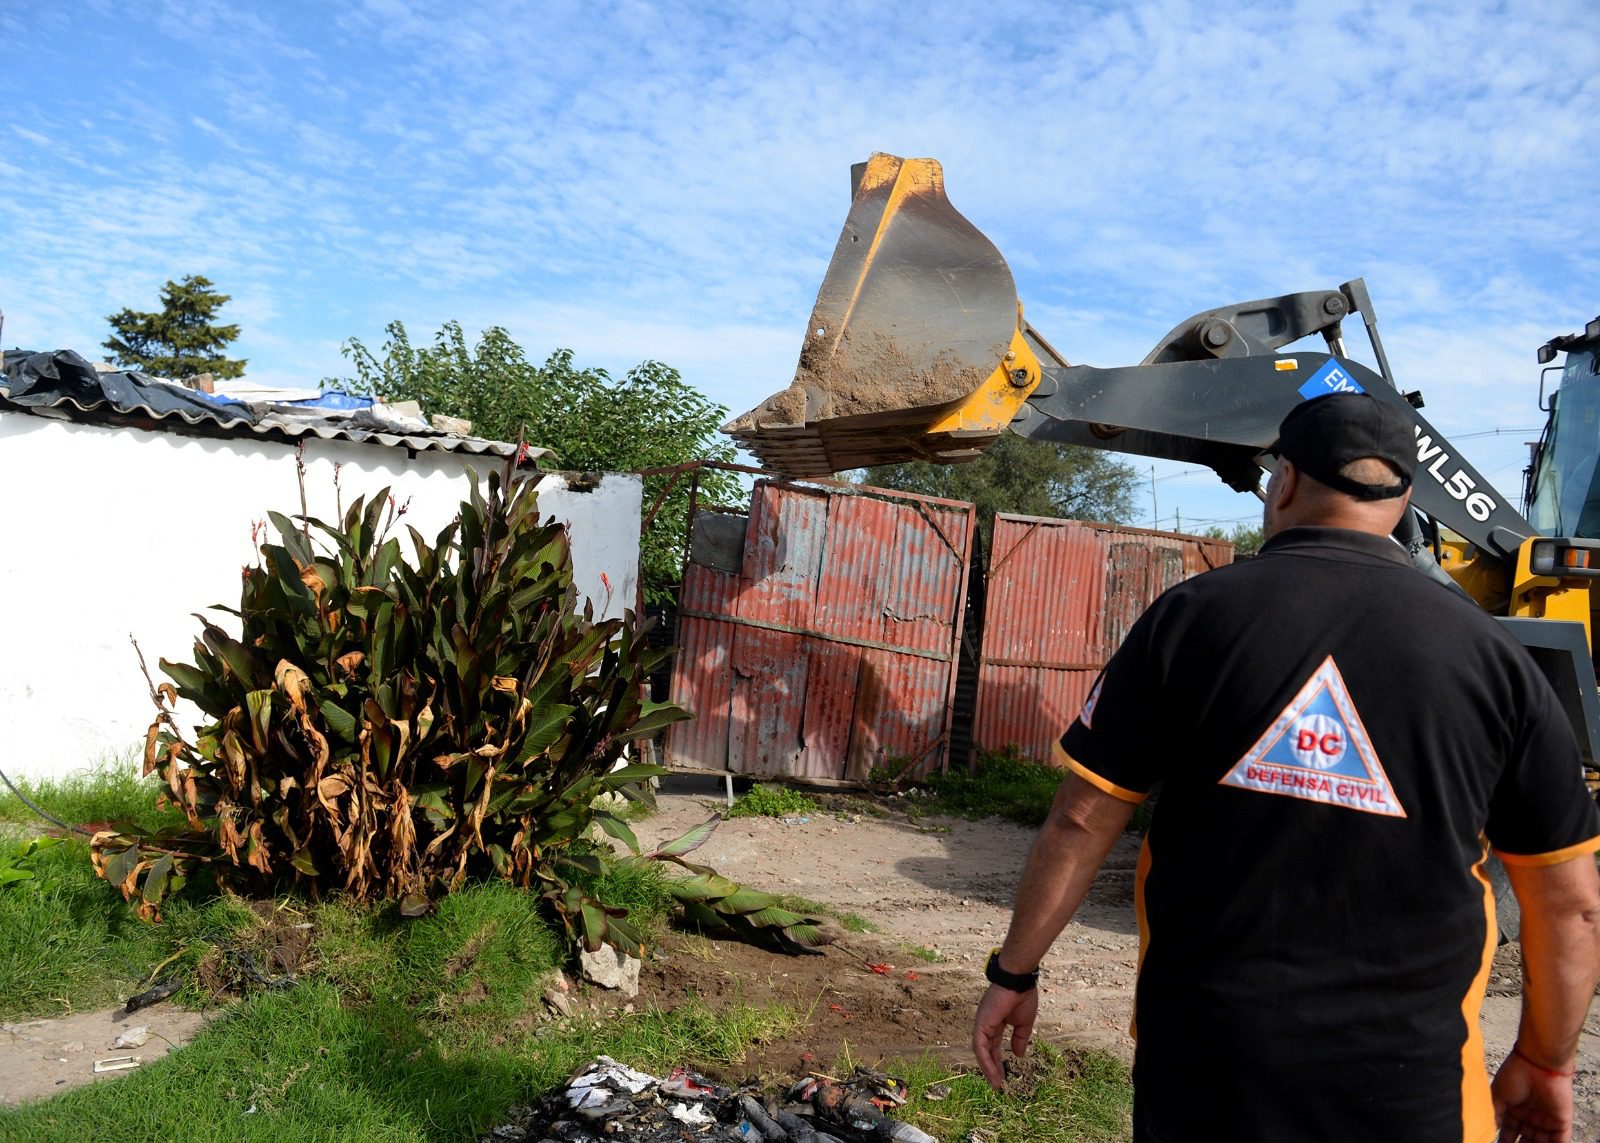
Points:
[(1340, 741)]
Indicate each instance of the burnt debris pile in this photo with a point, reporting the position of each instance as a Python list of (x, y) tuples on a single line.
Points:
[(606, 1101)]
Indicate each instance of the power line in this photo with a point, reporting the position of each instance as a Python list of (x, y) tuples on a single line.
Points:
[(1494, 433)]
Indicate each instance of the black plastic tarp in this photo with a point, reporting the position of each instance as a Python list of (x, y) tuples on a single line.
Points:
[(46, 379)]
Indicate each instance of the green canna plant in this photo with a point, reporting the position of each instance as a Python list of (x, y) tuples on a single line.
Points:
[(711, 901), (389, 728)]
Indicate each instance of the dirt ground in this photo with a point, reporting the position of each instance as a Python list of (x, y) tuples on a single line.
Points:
[(39, 1058), (937, 884), (946, 884)]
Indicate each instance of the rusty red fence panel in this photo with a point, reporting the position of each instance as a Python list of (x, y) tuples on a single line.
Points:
[(834, 645), (833, 648), (1060, 597)]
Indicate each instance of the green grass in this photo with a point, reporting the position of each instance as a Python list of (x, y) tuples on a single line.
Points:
[(773, 802), (1073, 1097), (110, 792), (309, 1065), (71, 943), (397, 1029), (1001, 785), (850, 922)]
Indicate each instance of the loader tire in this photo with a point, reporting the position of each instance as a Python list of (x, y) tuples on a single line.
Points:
[(1508, 914)]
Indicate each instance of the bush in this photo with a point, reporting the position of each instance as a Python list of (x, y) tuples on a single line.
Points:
[(391, 729), (1002, 785), (773, 802)]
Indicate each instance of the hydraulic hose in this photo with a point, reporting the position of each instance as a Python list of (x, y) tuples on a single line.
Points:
[(49, 817)]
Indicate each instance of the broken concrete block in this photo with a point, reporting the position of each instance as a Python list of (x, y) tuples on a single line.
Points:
[(611, 968), (133, 1037)]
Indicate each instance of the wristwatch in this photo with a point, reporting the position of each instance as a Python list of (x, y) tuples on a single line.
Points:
[(1015, 981)]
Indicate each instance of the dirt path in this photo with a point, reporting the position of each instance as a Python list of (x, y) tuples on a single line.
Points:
[(40, 1058), (947, 884)]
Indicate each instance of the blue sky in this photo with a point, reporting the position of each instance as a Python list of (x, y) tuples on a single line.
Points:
[(665, 180)]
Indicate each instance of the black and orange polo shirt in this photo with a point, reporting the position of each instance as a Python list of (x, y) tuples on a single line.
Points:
[(1338, 741)]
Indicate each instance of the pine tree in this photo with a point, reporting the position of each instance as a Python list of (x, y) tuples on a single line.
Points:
[(179, 341)]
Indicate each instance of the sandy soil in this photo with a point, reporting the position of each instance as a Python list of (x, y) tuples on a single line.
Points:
[(947, 884), (39, 1058)]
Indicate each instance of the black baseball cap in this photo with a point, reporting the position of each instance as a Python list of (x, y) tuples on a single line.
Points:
[(1324, 434)]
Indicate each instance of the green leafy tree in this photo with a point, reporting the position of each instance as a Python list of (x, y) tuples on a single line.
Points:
[(1246, 538), (1035, 478), (182, 339), (650, 418)]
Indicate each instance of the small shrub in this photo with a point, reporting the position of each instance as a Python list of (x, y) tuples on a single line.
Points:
[(1001, 785), (773, 802), (17, 867)]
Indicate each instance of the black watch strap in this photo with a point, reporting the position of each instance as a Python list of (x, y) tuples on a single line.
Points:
[(1015, 981)]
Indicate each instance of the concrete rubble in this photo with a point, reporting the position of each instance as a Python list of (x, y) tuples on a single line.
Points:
[(610, 968)]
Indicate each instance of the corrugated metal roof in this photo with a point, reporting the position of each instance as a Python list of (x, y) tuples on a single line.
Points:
[(67, 387), (1061, 597)]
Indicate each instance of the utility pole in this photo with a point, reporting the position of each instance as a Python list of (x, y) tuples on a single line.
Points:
[(1155, 517)]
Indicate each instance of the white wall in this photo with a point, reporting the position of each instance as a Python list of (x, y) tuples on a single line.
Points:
[(112, 532)]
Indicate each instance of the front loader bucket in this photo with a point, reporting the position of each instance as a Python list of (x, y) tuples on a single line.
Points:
[(914, 350)]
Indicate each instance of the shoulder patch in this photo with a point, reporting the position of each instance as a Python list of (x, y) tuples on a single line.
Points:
[(1086, 715), (1318, 750)]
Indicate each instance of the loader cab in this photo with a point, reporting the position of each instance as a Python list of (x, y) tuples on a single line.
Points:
[(1561, 489)]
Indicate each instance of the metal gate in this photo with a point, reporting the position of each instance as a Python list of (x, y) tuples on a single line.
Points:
[(820, 639), (1060, 598)]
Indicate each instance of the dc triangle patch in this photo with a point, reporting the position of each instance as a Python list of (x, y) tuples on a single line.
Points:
[(1318, 750)]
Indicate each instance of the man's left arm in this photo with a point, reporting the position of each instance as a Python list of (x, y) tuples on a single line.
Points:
[(1560, 906), (1083, 825)]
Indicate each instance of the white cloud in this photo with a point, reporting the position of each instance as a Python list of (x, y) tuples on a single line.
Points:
[(668, 179)]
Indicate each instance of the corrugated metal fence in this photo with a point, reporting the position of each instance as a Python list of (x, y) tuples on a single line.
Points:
[(1061, 596), (823, 641), (825, 632)]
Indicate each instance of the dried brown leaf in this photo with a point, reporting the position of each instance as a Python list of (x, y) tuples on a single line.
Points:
[(233, 760), (403, 840), (130, 884), (257, 854), (151, 745), (294, 683), (228, 835), (332, 786), (188, 800), (312, 579)]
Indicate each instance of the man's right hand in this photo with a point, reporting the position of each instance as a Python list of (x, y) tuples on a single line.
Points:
[(1001, 1008), (1530, 1104)]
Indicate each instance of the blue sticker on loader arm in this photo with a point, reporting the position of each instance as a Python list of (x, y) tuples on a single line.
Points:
[(1331, 378)]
